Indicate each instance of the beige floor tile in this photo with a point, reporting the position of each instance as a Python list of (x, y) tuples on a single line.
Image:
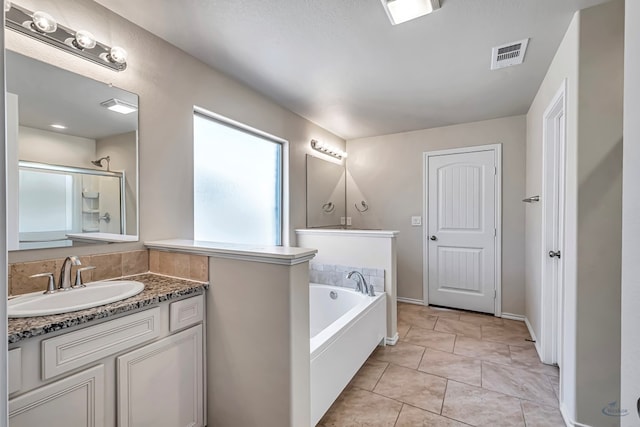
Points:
[(403, 354), (443, 313), (356, 407), (527, 358), (451, 366), (416, 318), (457, 327), (506, 335), (410, 386), (541, 416), (481, 319), (555, 385), (485, 350), (403, 328), (367, 377), (414, 417), (516, 325), (518, 383), (479, 407), (432, 339)]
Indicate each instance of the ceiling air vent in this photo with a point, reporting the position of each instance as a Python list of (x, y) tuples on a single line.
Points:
[(508, 54)]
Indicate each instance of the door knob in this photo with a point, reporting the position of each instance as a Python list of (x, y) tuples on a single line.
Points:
[(555, 254), (434, 238)]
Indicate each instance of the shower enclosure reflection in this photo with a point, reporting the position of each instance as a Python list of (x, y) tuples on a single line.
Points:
[(75, 200)]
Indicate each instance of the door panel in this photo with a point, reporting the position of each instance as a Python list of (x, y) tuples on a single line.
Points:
[(461, 230)]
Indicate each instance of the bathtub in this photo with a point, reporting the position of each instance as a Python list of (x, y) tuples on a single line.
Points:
[(344, 331)]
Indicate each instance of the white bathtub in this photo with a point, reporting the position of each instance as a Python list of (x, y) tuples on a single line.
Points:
[(344, 332)]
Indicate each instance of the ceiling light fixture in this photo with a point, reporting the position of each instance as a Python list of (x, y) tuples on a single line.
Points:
[(400, 11), (57, 126), (119, 106), (328, 149), (42, 26)]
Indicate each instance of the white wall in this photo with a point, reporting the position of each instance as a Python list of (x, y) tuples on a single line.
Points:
[(36, 145), (386, 172), (169, 83), (590, 58), (563, 67), (630, 369)]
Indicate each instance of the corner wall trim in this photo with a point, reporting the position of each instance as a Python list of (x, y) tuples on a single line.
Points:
[(568, 421), (410, 300), (392, 341), (536, 343)]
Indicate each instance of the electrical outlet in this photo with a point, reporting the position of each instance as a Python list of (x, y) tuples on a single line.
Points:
[(416, 221), (348, 220), (342, 220)]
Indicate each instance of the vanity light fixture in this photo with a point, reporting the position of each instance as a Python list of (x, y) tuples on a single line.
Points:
[(119, 106), (328, 149), (42, 26), (400, 11)]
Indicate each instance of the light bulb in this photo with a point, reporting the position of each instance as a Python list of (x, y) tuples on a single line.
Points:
[(7, 6), (118, 55), (84, 40), (44, 23)]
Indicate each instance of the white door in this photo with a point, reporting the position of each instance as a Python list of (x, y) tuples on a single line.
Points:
[(462, 230)]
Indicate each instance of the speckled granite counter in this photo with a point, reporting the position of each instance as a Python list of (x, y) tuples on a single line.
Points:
[(157, 289)]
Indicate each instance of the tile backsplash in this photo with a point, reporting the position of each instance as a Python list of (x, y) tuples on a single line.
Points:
[(110, 266), (336, 275), (107, 266)]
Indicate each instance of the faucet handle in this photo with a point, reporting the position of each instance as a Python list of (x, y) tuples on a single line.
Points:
[(79, 271), (51, 286)]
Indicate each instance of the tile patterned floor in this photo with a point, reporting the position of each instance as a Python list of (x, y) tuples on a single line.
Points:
[(451, 369)]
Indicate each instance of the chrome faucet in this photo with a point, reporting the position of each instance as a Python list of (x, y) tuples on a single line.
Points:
[(361, 284), (65, 272)]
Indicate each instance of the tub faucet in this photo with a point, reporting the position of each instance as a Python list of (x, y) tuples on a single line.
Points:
[(65, 272), (361, 284)]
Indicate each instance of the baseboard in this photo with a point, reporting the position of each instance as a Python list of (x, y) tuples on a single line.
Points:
[(410, 300), (392, 341), (536, 344), (567, 420), (510, 316)]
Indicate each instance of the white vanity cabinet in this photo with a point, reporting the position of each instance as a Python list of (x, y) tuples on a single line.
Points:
[(134, 370), (161, 384)]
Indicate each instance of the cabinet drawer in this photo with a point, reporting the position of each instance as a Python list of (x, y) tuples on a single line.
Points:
[(15, 370), (75, 349), (76, 401), (186, 313)]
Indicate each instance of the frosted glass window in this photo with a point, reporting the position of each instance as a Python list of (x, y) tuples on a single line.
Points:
[(237, 185), (45, 201)]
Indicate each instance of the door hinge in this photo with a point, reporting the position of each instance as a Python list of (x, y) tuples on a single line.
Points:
[(495, 170), (495, 232), (495, 294)]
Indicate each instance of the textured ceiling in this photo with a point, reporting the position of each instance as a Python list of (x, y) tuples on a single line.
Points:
[(343, 66)]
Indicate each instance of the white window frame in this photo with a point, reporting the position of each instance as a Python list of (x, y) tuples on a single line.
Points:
[(284, 209)]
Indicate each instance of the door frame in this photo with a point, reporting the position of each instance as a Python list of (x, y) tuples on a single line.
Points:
[(497, 152), (552, 300)]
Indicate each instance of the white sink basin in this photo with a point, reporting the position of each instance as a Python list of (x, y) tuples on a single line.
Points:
[(93, 295)]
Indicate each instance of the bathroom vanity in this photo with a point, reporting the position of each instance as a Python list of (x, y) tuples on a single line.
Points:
[(136, 362)]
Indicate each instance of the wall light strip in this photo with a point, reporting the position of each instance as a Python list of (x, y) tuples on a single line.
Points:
[(328, 149), (42, 26)]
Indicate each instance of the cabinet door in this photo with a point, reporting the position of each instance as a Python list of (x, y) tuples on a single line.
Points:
[(76, 401), (161, 384)]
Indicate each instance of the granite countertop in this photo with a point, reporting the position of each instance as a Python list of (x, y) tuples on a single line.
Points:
[(157, 289)]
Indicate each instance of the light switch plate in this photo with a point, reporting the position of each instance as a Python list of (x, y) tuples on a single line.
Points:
[(416, 220), (342, 220), (348, 220)]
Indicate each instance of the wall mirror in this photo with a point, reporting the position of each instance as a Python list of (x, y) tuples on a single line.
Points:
[(72, 158), (326, 193)]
